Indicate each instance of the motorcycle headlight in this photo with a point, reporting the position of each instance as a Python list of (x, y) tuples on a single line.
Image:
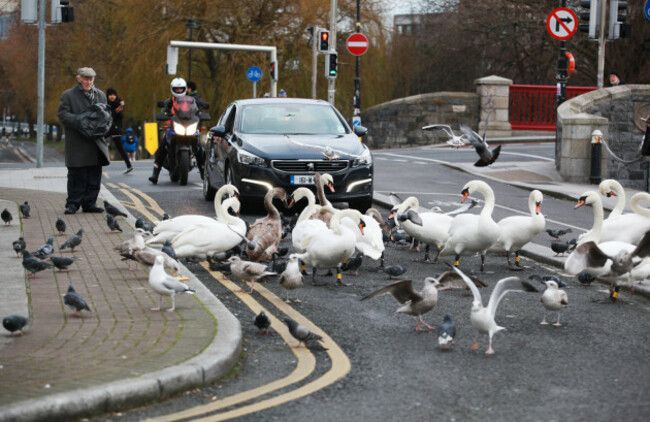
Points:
[(251, 159), (364, 159), (179, 129), (191, 129)]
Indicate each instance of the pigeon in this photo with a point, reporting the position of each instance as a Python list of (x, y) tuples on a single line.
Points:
[(73, 241), (482, 318), (262, 322), (34, 265), (75, 301), (248, 271), (63, 262), (6, 216), (165, 217), (544, 278), (141, 224), (486, 155), (291, 278), (560, 248), (19, 246), (395, 270), (165, 285), (557, 233), (353, 264), (126, 248), (25, 209), (300, 333), (454, 140), (60, 226), (168, 249), (45, 250), (585, 278), (554, 299), (13, 323), (147, 256), (224, 267), (446, 333), (113, 210), (112, 223)]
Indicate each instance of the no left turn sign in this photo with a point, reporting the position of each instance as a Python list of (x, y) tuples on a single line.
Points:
[(562, 23)]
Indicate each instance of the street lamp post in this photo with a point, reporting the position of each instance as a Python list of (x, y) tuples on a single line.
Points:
[(190, 25)]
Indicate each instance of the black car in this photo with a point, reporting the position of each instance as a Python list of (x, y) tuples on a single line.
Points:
[(263, 143)]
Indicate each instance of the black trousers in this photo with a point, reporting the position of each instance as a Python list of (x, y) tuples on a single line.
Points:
[(84, 184), (119, 146)]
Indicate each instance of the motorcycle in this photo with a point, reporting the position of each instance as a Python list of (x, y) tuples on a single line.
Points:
[(182, 134)]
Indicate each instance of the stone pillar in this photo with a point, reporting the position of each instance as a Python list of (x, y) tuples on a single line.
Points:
[(575, 154), (494, 92)]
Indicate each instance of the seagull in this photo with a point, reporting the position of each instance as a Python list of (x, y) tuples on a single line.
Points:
[(45, 250), (13, 323), (147, 256), (248, 271), (446, 333), (454, 140), (554, 299), (291, 278), (328, 152), (112, 223), (25, 209), (300, 333), (486, 155), (19, 246), (557, 233), (395, 270), (6, 217), (73, 241), (60, 225), (262, 322), (165, 285), (112, 209), (34, 265), (75, 301), (63, 262), (482, 318)]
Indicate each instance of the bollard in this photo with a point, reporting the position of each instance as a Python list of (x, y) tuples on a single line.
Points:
[(596, 156)]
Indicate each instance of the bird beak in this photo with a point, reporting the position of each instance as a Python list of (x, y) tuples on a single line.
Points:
[(538, 207), (361, 226), (580, 203), (465, 194), (291, 202), (331, 186), (611, 193), (392, 214)]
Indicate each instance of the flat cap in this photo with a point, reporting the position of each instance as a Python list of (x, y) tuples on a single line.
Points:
[(87, 72)]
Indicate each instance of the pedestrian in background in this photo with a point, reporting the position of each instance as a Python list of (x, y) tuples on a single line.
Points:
[(192, 92), (117, 111), (84, 156), (130, 143), (283, 93), (615, 79)]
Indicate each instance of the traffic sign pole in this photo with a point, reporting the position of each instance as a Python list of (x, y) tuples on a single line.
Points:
[(356, 100)]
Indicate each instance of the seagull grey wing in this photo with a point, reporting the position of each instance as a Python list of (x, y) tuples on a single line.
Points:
[(472, 137), (170, 283), (464, 208), (394, 199), (402, 290), (487, 122), (468, 281), (444, 128), (451, 280), (594, 256), (643, 247), (504, 286)]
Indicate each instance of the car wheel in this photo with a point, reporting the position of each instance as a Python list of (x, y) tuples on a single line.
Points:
[(361, 204), (208, 191)]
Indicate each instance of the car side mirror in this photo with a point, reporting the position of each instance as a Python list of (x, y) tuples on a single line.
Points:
[(218, 131), (360, 131)]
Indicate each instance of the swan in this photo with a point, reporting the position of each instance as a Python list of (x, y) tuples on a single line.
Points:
[(267, 230), (326, 210), (609, 188), (329, 247), (628, 228), (470, 233), (304, 224), (206, 239), (518, 230), (167, 229)]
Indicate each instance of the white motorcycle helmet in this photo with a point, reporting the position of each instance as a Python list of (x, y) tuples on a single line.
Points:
[(178, 87)]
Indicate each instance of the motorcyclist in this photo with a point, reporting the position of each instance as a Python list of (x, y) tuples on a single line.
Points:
[(178, 88)]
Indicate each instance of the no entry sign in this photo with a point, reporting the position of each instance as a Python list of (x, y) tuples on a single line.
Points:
[(357, 44), (562, 23)]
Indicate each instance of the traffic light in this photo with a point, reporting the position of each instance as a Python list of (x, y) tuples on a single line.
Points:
[(590, 17), (618, 29), (323, 40), (274, 71), (331, 69), (61, 11)]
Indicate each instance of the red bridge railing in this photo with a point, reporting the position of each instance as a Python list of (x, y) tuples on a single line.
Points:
[(532, 107)]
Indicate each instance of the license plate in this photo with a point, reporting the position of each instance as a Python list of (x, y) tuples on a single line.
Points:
[(299, 179)]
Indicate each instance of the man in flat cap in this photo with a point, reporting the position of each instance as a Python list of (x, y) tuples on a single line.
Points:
[(84, 156)]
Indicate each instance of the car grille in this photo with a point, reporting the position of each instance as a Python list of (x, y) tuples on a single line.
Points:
[(323, 166)]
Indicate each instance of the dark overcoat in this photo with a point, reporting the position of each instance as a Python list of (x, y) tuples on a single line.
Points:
[(81, 151)]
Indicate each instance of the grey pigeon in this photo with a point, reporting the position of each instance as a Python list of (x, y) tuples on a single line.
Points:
[(112, 209), (486, 156), (353, 264), (19, 246), (165, 217), (112, 223), (75, 301), (34, 265), (262, 322), (73, 241), (25, 209), (60, 225), (557, 233), (141, 224), (300, 333), (561, 247), (585, 278), (6, 216), (395, 270), (544, 278), (446, 333), (168, 249), (13, 323), (45, 250), (63, 262)]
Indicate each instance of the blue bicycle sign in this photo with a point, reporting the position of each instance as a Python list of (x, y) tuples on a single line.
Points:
[(254, 73)]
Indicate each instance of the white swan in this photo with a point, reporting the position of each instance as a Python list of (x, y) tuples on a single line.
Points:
[(206, 239), (518, 230), (305, 225), (369, 242), (470, 233), (628, 228), (609, 188), (168, 229), (329, 247)]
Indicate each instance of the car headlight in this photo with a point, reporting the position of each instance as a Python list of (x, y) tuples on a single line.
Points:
[(364, 159), (245, 157)]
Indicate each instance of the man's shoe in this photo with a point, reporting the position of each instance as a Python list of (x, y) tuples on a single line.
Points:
[(154, 176), (69, 210), (94, 209), (129, 170)]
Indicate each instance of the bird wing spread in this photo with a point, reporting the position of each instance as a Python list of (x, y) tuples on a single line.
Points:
[(401, 290)]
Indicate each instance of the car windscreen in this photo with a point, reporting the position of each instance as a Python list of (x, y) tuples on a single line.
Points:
[(303, 119)]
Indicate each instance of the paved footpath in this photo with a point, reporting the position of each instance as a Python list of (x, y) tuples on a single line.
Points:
[(120, 354)]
